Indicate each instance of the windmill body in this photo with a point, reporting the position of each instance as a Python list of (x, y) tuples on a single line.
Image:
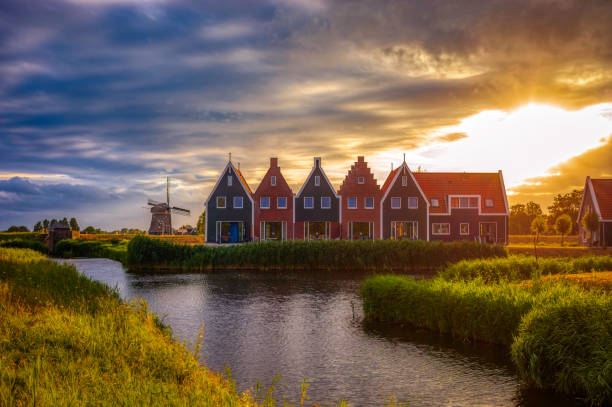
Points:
[(161, 214)]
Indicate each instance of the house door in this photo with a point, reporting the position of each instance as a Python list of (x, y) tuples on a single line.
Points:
[(488, 232), (233, 232)]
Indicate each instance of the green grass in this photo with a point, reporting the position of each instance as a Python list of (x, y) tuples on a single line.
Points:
[(25, 244), (380, 255), (517, 268), (113, 249), (37, 236), (560, 335)]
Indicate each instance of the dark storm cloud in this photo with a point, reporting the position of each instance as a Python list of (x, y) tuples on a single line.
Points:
[(119, 93)]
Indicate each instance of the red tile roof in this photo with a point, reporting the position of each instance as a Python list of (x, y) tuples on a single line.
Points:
[(389, 179), (603, 193), (243, 179), (441, 184)]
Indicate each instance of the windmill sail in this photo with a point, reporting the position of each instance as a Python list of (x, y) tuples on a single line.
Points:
[(161, 214)]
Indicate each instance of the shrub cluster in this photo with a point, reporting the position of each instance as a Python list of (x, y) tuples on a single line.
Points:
[(398, 255), (516, 268), (38, 236), (560, 335), (112, 249), (25, 244)]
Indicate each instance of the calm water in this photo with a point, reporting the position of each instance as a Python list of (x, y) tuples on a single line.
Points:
[(309, 326)]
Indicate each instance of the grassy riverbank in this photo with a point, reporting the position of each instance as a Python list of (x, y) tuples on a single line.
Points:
[(380, 255), (67, 340), (112, 249), (560, 334), (517, 268)]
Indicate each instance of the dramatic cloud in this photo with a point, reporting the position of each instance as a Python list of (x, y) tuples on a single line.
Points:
[(117, 94)]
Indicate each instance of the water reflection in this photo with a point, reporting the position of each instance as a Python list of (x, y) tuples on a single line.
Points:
[(302, 325)]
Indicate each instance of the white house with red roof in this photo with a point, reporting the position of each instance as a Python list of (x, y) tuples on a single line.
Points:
[(597, 197)]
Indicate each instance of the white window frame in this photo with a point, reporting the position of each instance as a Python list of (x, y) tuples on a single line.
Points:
[(317, 181), (224, 202), (273, 180), (234, 202), (404, 180), (437, 202), (487, 200), (330, 202), (415, 200), (278, 205), (415, 228), (365, 202), (468, 229), (400, 202), (230, 180), (361, 180), (312, 200), (261, 205), (348, 202), (433, 228)]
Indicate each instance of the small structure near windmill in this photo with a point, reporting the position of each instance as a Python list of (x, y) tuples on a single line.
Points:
[(161, 214), (55, 232)]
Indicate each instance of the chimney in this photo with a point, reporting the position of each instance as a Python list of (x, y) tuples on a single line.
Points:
[(273, 162), (360, 159), (317, 161)]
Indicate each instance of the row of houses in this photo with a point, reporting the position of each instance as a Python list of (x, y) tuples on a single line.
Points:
[(409, 205)]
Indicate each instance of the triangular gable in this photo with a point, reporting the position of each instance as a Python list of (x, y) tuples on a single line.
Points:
[(392, 179), (243, 183), (324, 176), (267, 175)]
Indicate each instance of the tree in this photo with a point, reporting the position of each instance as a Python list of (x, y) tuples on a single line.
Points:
[(14, 229), (89, 230), (38, 227), (590, 221), (566, 204), (46, 224), (521, 216), (65, 221), (53, 221), (563, 225), (74, 225), (201, 225), (539, 225)]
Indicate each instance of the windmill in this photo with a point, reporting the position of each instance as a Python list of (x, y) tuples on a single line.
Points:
[(161, 214)]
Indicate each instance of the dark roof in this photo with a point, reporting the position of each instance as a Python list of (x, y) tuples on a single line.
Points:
[(58, 225)]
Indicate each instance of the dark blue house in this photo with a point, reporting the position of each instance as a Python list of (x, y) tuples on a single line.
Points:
[(230, 209)]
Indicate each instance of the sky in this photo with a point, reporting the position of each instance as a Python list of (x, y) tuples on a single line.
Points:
[(100, 100)]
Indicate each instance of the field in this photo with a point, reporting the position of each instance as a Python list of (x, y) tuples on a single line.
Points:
[(555, 318), (182, 239)]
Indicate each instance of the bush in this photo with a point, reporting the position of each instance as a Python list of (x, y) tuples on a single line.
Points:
[(404, 255), (566, 346), (517, 268), (25, 244), (91, 248), (23, 236)]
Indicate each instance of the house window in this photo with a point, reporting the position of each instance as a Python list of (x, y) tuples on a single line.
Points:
[(404, 180), (308, 202), (396, 202), (264, 202), (237, 202), (440, 228), (360, 180), (369, 202), (413, 203), (464, 229), (464, 202), (404, 230), (220, 202), (325, 202), (273, 180), (229, 180), (352, 202), (435, 203), (489, 202), (317, 180), (281, 202)]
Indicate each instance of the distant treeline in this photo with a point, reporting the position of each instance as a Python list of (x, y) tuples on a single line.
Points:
[(522, 215), (399, 255)]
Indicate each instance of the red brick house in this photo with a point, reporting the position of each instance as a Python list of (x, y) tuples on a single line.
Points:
[(466, 206), (273, 206), (360, 203), (597, 197)]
